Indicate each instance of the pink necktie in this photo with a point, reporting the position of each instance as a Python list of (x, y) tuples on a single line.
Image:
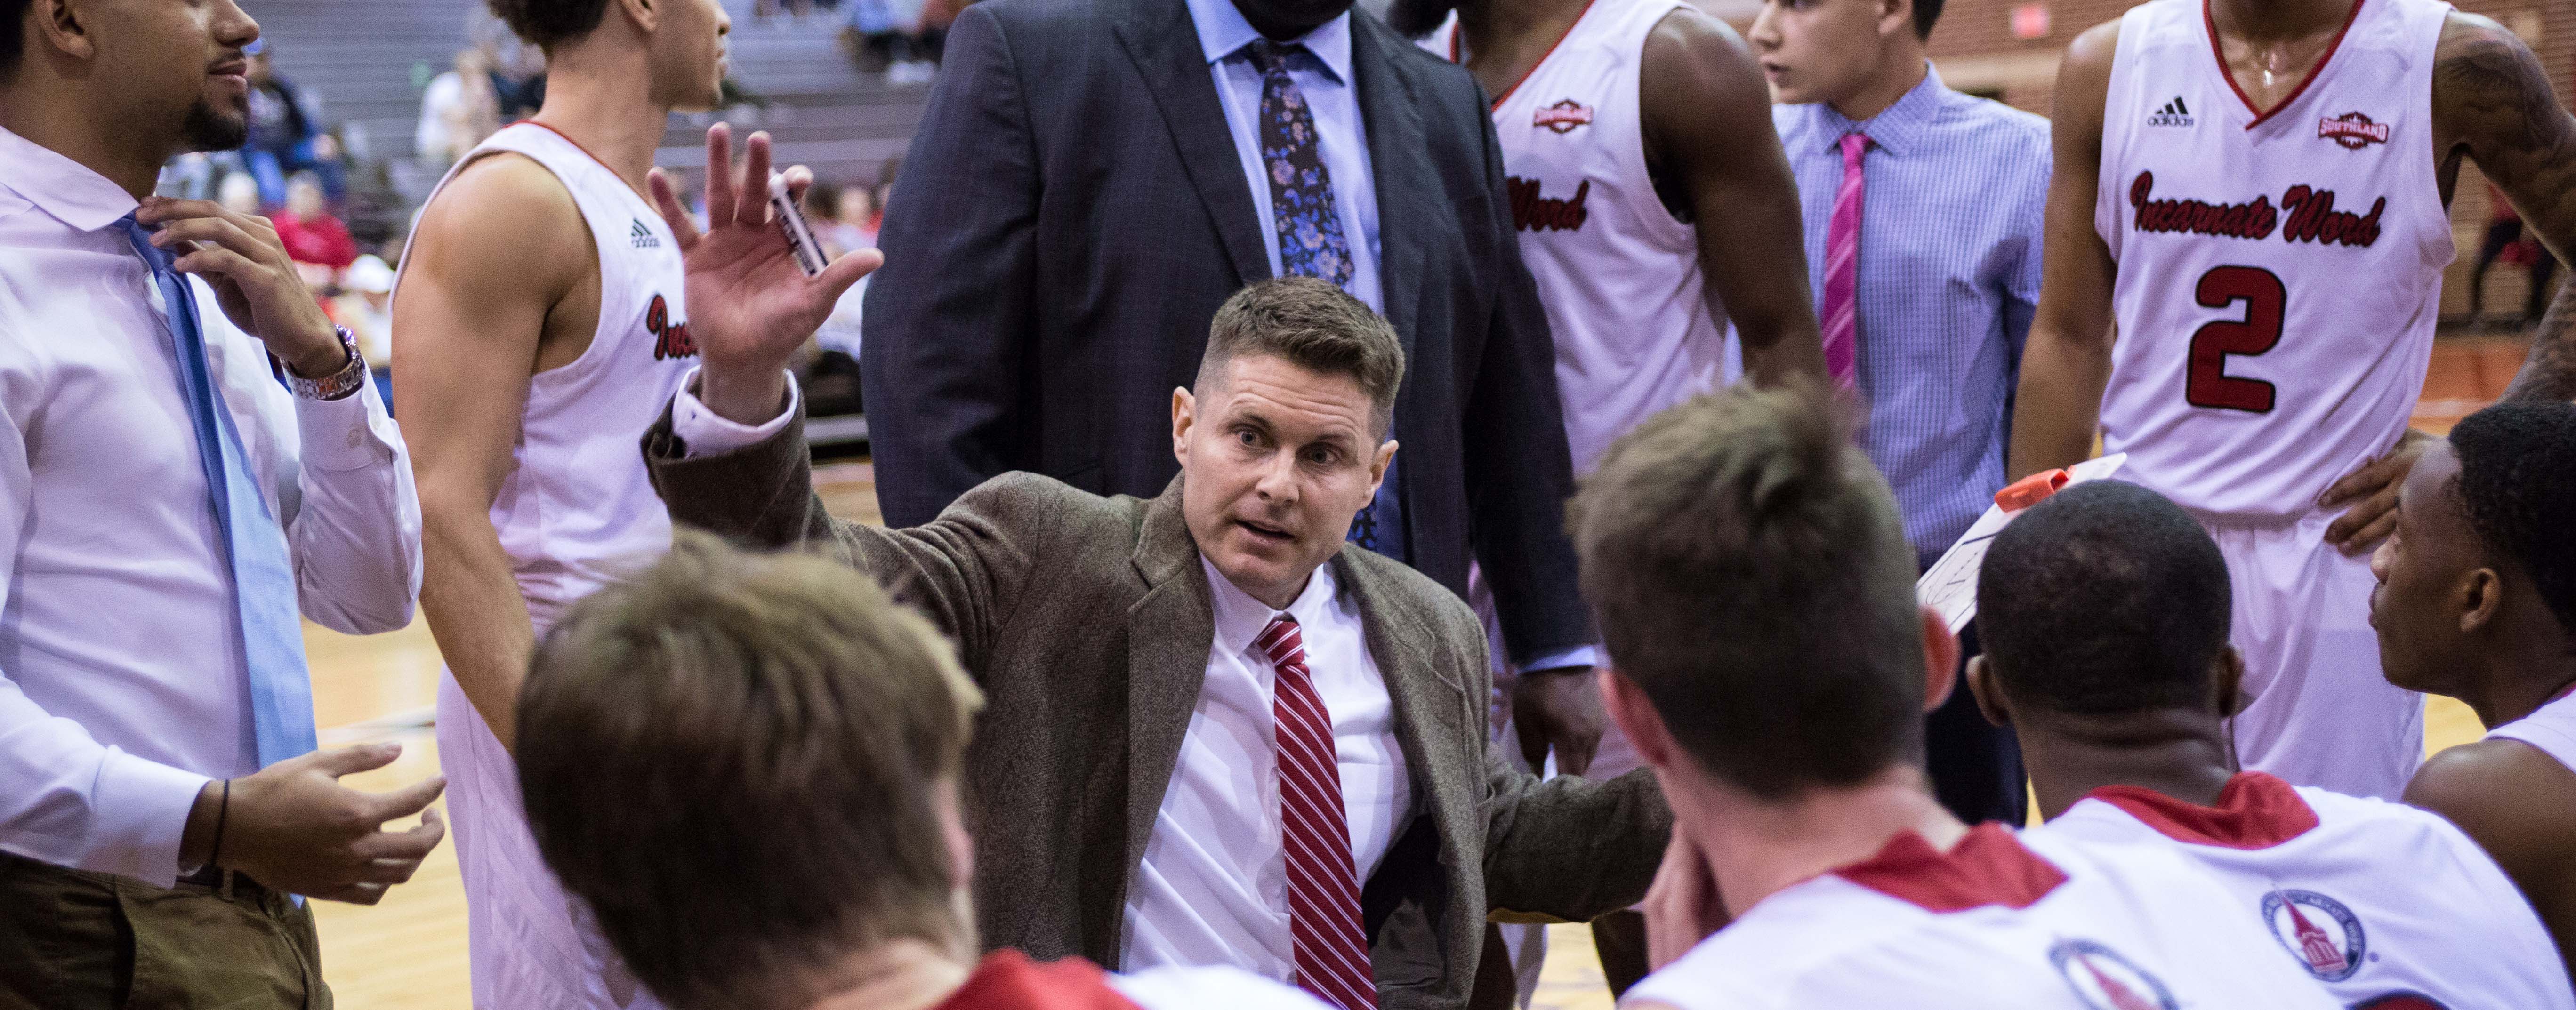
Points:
[(1842, 267), (1323, 887)]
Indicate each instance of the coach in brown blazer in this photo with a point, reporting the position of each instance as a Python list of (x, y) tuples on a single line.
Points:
[(1088, 622)]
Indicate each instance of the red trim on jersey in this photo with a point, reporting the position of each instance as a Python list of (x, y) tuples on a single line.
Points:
[(1987, 867), (2254, 811), (585, 152), (1525, 75), (2261, 115), (1008, 980)]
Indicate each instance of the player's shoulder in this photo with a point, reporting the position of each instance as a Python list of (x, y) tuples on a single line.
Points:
[(1179, 988), (2497, 785), (510, 214), (1812, 930)]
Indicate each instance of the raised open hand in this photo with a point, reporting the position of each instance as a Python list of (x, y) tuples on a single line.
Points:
[(750, 305)]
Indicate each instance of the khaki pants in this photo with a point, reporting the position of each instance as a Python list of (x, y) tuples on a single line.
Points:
[(73, 940)]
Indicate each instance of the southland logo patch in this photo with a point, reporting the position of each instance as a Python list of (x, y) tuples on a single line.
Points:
[(2353, 130), (1563, 116), (643, 236), (2174, 113)]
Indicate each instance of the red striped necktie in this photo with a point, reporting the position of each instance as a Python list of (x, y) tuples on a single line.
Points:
[(1323, 887)]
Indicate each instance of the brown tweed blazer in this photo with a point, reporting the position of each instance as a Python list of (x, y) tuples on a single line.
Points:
[(1086, 620)]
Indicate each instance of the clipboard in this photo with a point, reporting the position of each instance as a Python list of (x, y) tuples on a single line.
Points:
[(1950, 588)]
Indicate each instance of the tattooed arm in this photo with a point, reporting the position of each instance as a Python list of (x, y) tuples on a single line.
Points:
[(2491, 102)]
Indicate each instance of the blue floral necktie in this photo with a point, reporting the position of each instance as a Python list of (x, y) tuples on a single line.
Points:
[(1311, 243), (1311, 240)]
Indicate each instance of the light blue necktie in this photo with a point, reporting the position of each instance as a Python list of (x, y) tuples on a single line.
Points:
[(272, 628)]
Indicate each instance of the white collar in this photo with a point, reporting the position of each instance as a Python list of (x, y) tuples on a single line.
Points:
[(1240, 619), (1223, 32), (64, 189)]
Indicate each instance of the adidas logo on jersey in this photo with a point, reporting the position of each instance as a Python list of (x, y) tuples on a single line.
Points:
[(643, 237), (2175, 113)]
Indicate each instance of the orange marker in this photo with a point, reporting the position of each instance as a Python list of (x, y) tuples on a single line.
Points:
[(2028, 491)]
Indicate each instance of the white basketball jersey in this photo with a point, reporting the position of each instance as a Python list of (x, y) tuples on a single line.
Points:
[(1618, 275), (2551, 727), (2279, 273), (2390, 907), (577, 509), (2030, 923)]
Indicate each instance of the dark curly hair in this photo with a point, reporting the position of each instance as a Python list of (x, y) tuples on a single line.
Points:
[(2105, 599), (544, 23), (2517, 485), (13, 34)]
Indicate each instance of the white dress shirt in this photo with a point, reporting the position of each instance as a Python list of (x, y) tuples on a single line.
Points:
[(123, 687), (1213, 887), (1332, 99)]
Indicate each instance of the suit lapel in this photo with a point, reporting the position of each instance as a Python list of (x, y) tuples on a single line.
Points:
[(1408, 193), (1168, 632), (1163, 41), (1433, 715)]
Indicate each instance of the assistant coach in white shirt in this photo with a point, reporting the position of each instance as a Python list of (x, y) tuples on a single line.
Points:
[(169, 511)]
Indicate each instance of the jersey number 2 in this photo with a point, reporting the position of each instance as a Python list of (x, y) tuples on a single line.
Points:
[(2208, 384)]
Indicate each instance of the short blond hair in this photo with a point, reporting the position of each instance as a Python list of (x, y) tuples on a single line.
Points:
[(735, 759)]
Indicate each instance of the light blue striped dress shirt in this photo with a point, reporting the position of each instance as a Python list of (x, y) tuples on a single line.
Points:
[(1956, 191)]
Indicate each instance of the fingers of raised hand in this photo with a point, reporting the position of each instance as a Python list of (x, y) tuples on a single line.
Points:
[(666, 199), (751, 201), (720, 177), (799, 179)]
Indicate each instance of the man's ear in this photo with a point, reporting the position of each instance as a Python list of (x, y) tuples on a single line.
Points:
[(1377, 467), (642, 13), (2481, 595), (1990, 695), (1636, 716), (62, 24), (1895, 16), (1940, 659), (1184, 415), (2227, 682)]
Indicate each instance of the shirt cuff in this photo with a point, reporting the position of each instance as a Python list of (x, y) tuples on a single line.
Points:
[(142, 810), (350, 433), (1581, 655), (707, 433)]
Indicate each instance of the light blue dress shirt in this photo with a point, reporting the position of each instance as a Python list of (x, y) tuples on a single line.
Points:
[(1951, 218), (1332, 97)]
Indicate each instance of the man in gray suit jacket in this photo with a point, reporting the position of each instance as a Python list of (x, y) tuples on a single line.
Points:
[(1092, 177), (1144, 783)]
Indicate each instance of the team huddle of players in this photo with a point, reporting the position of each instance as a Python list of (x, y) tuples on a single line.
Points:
[(2216, 733)]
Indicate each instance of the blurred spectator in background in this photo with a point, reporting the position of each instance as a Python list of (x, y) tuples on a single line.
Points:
[(2505, 241), (365, 305), (309, 231), (517, 69), (901, 38), (458, 111), (238, 193), (845, 216), (286, 134)]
